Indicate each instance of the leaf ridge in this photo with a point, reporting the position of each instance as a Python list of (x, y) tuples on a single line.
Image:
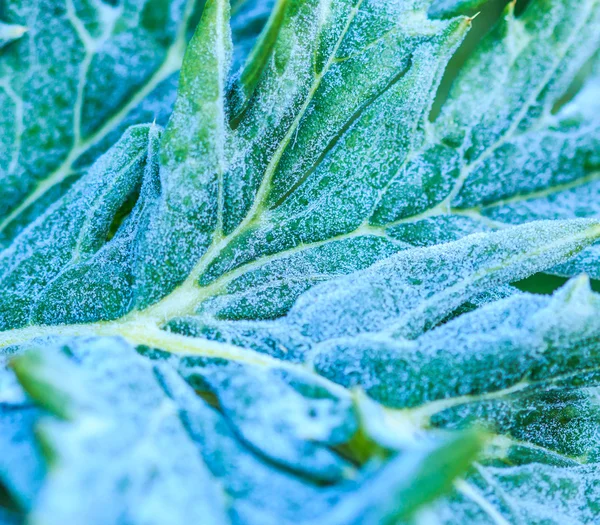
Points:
[(341, 132), (263, 189), (546, 192), (473, 493)]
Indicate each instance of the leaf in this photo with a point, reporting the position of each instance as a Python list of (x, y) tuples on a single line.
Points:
[(414, 290), (69, 55), (124, 476), (315, 269), (192, 161), (80, 276), (526, 368), (286, 416), (569, 148), (292, 189), (180, 202), (512, 159), (184, 222), (165, 433)]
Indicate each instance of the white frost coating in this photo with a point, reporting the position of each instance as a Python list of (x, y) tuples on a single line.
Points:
[(329, 165), (534, 493), (62, 68), (517, 346), (287, 417), (75, 268), (526, 368), (415, 289), (111, 449)]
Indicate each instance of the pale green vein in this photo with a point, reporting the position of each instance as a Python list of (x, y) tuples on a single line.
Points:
[(468, 169), (185, 297), (473, 493), (422, 414), (141, 333), (491, 481), (170, 65), (540, 194)]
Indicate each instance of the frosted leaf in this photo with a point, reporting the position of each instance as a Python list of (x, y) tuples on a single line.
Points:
[(288, 417), (496, 154), (254, 205), (299, 229), (108, 440), (145, 435), (302, 170), (492, 348), (55, 79), (76, 74), (182, 222), (514, 78), (527, 369), (415, 289), (83, 262), (437, 230)]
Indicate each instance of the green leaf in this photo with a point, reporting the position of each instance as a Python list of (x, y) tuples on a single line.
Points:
[(500, 155), (414, 290), (110, 392), (525, 367), (187, 213), (79, 73), (183, 228), (79, 271), (289, 417), (144, 435), (55, 81), (315, 271)]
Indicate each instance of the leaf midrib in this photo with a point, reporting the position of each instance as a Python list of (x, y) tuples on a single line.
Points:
[(184, 297)]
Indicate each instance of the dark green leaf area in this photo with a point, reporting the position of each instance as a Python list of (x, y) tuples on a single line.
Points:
[(83, 267)]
